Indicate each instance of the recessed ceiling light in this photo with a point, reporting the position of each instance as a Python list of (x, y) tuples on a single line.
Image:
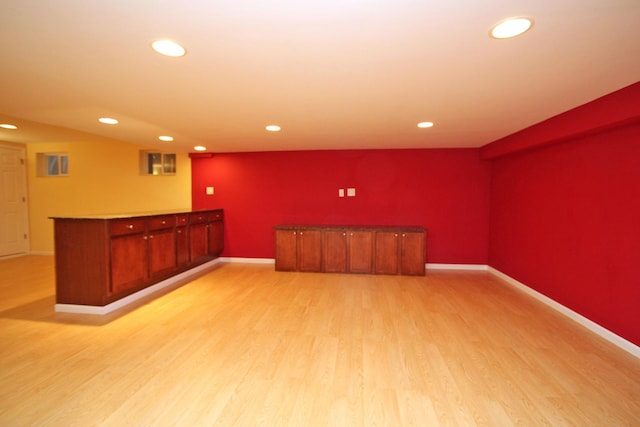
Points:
[(273, 128), (199, 148), (108, 121), (425, 125), (168, 48), (510, 27), (8, 126), (165, 138)]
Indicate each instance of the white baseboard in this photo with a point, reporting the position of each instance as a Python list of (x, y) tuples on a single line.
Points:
[(129, 299), (589, 324), (468, 267), (47, 253), (41, 253), (477, 267), (12, 256)]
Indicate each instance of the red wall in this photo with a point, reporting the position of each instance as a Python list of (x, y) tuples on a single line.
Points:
[(614, 110), (445, 191), (564, 198), (565, 218)]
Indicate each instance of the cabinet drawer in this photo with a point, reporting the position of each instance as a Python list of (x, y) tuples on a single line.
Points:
[(182, 220), (199, 218), (216, 216), (121, 227), (161, 222)]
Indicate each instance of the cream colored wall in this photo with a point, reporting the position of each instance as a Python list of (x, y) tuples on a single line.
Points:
[(104, 177)]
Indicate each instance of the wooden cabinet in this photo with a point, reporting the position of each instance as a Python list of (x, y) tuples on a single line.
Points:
[(101, 260), (334, 251), (412, 253), (182, 240), (379, 250), (387, 247), (309, 250), (286, 249), (161, 241), (198, 237), (206, 236), (360, 251), (400, 252), (129, 267), (141, 249), (216, 233), (298, 250)]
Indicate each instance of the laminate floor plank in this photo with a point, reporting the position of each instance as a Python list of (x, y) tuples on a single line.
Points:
[(244, 345)]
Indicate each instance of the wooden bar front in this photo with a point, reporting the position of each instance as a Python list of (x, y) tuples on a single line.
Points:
[(102, 259)]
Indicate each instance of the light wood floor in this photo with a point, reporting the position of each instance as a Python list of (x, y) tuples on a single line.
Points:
[(248, 346)]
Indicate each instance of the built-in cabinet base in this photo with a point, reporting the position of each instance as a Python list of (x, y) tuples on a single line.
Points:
[(338, 249), (101, 260)]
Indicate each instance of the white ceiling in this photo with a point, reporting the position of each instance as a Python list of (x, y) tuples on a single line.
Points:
[(333, 74)]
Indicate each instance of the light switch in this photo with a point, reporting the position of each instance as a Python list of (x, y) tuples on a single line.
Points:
[(341, 192), (209, 191), (351, 192)]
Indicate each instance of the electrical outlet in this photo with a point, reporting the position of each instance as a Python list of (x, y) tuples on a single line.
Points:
[(341, 192), (209, 191), (351, 192)]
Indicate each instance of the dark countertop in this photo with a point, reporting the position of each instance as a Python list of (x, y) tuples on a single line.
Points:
[(350, 227), (132, 214)]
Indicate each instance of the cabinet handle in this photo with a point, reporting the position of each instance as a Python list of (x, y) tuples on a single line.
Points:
[(130, 226), (179, 231), (301, 233), (164, 222), (295, 232), (396, 234), (404, 235), (151, 237), (344, 234), (144, 237)]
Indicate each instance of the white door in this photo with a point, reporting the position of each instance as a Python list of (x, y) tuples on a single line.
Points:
[(13, 201)]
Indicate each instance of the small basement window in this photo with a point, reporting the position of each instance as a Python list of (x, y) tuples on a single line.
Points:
[(52, 164), (157, 163)]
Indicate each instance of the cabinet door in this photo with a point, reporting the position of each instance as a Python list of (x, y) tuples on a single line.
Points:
[(162, 252), (198, 245), (412, 253), (334, 251), (216, 238), (286, 250), (387, 252), (310, 250), (182, 246), (360, 251), (129, 264)]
